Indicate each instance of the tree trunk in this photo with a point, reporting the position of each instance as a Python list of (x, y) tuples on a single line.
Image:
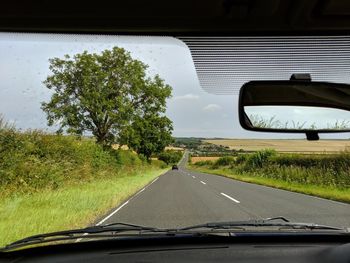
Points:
[(101, 140)]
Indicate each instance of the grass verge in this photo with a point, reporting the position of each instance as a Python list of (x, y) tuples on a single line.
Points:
[(71, 206), (332, 193)]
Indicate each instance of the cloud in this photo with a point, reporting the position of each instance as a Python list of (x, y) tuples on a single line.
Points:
[(187, 97), (212, 108)]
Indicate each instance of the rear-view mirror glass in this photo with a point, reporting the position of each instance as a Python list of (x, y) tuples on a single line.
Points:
[(295, 106)]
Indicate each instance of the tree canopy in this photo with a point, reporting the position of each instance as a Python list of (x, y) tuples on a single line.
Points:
[(107, 94)]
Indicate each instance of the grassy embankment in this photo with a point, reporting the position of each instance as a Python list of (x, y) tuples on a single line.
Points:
[(50, 183), (326, 176)]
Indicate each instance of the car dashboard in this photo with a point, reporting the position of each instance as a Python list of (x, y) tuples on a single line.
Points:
[(195, 249)]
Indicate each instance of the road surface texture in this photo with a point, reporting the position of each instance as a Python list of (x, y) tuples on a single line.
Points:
[(183, 197)]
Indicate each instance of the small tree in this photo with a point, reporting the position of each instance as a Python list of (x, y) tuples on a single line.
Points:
[(148, 134), (101, 93), (170, 156)]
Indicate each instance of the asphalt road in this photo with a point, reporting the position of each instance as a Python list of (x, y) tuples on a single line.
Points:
[(183, 197)]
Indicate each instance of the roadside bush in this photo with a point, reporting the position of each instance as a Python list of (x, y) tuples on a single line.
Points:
[(189, 160), (337, 162), (33, 160), (5, 125), (325, 170), (258, 159), (224, 161), (204, 163), (241, 158), (159, 163)]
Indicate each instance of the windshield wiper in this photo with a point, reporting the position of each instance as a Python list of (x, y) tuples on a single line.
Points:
[(82, 233), (268, 222), (115, 229)]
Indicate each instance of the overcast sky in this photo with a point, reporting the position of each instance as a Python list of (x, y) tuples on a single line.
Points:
[(194, 112)]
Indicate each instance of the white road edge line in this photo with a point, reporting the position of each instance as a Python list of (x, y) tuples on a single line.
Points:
[(104, 219), (111, 214), (231, 198), (120, 207), (139, 192), (153, 181), (79, 239), (203, 182)]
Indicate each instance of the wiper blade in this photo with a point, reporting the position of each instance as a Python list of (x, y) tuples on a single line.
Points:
[(268, 222), (79, 233), (113, 230)]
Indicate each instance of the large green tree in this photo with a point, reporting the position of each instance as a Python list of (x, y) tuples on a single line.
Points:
[(102, 94)]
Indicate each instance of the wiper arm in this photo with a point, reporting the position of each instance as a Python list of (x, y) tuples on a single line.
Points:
[(268, 222), (79, 233)]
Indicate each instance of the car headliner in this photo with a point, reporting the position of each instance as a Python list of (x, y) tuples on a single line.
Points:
[(179, 17), (189, 19)]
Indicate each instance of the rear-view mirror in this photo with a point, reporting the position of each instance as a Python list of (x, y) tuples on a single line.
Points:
[(295, 106)]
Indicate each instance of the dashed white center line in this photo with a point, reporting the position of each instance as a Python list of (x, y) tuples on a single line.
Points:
[(231, 198), (203, 182), (193, 176)]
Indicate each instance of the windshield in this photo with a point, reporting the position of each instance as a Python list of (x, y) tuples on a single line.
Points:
[(96, 130)]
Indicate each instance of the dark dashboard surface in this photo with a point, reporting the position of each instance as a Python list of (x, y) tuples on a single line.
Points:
[(192, 250)]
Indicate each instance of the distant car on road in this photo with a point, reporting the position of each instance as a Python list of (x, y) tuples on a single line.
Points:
[(174, 167)]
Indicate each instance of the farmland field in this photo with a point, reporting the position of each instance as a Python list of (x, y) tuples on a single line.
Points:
[(168, 148), (195, 159), (288, 146), (172, 148)]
